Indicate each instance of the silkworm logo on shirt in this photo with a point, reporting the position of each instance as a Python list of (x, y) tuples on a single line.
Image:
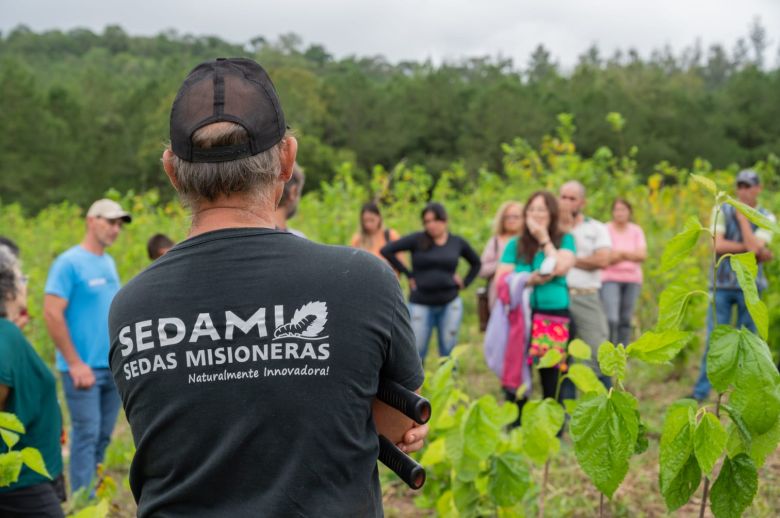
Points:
[(307, 322)]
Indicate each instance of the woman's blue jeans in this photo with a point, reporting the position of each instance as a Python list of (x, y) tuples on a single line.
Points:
[(445, 318)]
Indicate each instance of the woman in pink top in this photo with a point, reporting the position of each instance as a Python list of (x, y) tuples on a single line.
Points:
[(622, 279)]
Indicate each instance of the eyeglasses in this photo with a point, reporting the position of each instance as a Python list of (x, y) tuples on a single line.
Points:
[(513, 216), (568, 198), (24, 279), (741, 185), (429, 220)]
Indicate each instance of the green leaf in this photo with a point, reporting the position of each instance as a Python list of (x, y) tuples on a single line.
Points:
[(740, 427), (676, 475), (466, 498), (439, 389), (706, 183), (753, 215), (550, 359), (11, 422), (765, 444), (445, 504), (604, 430), (509, 479), (681, 488), (740, 358), (641, 438), (94, 511), (541, 422), (709, 442), (612, 360), (746, 269), (735, 487), (465, 464), (481, 433), (579, 349), (10, 467), (661, 347), (681, 245), (585, 379), (759, 406), (434, 453), (672, 305), (570, 405), (9, 438), (33, 459)]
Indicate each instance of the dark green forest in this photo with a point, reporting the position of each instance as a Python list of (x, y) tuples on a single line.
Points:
[(82, 112)]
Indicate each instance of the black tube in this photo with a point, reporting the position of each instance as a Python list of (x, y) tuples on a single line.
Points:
[(404, 400), (403, 465)]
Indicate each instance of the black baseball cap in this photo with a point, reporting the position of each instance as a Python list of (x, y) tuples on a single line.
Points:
[(226, 90)]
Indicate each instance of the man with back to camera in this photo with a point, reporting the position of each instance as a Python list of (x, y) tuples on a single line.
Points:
[(82, 282), (735, 234), (248, 359)]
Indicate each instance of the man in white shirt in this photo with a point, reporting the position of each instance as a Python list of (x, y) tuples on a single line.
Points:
[(584, 279)]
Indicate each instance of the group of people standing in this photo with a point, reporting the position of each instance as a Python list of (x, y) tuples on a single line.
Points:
[(242, 277), (589, 289), (593, 286)]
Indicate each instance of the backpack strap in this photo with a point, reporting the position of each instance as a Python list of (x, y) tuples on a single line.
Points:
[(387, 235)]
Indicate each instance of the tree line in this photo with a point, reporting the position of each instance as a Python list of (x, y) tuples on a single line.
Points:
[(83, 112)]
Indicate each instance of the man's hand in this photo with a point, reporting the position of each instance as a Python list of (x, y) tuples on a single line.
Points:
[(412, 284), (414, 439), (82, 375)]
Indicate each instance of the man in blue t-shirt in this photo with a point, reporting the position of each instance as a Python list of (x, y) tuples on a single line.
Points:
[(81, 284), (735, 234)]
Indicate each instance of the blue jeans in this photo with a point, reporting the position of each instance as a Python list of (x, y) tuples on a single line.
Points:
[(445, 318), (93, 414), (725, 300)]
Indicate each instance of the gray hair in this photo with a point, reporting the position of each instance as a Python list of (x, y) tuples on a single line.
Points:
[(9, 277), (252, 175), (578, 185)]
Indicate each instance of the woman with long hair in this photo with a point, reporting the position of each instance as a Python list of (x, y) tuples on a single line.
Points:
[(434, 300), (507, 224), (542, 240), (622, 279), (373, 234)]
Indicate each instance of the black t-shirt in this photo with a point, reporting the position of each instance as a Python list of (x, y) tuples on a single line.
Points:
[(247, 361), (433, 266)]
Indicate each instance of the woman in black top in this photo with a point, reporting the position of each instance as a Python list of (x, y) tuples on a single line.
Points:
[(434, 283)]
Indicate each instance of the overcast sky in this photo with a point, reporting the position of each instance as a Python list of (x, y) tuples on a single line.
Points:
[(421, 29)]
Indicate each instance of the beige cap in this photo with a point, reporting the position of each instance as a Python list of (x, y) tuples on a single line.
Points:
[(108, 209)]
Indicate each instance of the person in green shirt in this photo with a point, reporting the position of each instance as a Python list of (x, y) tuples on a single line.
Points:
[(28, 390), (541, 239)]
